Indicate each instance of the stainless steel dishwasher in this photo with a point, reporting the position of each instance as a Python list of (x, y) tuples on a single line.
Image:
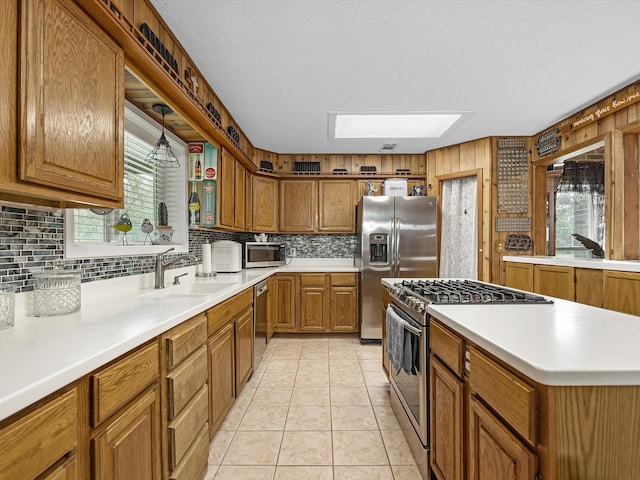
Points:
[(259, 321)]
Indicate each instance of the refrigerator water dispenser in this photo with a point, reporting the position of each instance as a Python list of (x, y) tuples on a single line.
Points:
[(378, 247)]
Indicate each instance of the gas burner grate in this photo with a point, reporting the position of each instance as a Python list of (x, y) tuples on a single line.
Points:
[(447, 292)]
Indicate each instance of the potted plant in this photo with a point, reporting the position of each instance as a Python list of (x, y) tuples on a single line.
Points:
[(164, 231)]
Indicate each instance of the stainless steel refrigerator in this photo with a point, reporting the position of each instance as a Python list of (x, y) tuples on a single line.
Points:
[(396, 237)]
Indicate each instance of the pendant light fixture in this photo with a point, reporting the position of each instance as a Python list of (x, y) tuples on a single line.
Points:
[(162, 154)]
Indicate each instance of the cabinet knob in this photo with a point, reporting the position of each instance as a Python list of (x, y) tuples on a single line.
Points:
[(467, 366)]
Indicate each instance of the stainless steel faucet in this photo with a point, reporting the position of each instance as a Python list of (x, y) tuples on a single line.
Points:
[(161, 265)]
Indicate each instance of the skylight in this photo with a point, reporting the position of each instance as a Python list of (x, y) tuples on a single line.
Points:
[(392, 125)]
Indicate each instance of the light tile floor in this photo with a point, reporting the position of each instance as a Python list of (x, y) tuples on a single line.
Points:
[(315, 408)]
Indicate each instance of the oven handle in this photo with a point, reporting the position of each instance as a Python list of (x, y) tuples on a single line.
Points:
[(417, 332)]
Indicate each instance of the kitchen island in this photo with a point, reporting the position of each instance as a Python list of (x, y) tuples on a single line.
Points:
[(518, 390)]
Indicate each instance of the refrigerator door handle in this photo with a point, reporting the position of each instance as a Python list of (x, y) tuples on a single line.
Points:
[(393, 247), (397, 242)]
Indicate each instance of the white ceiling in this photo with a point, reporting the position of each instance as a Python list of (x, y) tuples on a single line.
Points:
[(280, 66)]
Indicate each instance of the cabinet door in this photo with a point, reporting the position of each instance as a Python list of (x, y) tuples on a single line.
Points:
[(336, 210), (72, 101), (283, 303), (298, 205), (520, 276), (312, 309), (67, 471), (554, 281), (226, 189), (446, 426), (221, 376), (493, 451), (129, 446), (239, 196), (622, 291), (344, 309), (248, 202), (590, 287), (244, 348), (265, 206)]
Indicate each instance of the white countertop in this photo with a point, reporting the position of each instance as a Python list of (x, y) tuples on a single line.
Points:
[(563, 343), (40, 355), (594, 263)]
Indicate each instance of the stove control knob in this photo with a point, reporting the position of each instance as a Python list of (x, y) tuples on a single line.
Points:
[(420, 307)]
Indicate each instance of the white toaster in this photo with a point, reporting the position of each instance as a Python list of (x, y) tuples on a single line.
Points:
[(226, 256)]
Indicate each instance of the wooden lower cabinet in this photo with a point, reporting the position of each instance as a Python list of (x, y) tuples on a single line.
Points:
[(129, 445), (554, 281), (222, 379), (494, 452), (520, 276), (313, 302), (622, 292), (446, 395), (243, 331), (67, 471), (40, 439), (589, 286), (283, 303), (343, 314)]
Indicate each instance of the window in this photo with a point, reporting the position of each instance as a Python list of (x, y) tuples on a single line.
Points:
[(88, 234)]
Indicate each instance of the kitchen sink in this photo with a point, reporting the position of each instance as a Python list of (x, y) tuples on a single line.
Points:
[(197, 289)]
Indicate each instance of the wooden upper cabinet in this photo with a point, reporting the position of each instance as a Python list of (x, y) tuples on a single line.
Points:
[(298, 205), (71, 99), (336, 210), (239, 196), (226, 189), (265, 204)]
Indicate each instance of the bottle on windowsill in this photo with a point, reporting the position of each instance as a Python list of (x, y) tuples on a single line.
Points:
[(194, 206)]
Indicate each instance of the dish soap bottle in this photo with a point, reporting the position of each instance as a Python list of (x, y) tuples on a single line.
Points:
[(194, 206)]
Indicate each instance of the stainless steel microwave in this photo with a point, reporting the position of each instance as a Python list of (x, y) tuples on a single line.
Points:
[(264, 254)]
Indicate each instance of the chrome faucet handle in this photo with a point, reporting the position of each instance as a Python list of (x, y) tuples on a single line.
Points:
[(167, 251), (176, 279)]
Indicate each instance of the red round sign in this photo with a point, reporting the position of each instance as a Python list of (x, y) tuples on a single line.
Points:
[(210, 172)]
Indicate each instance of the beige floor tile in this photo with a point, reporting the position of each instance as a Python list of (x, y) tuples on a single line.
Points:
[(379, 395), (219, 446), (211, 472), (305, 448), (254, 381), (284, 354), (306, 366), (315, 347), (353, 417), (315, 356), (286, 472), (264, 418), (248, 472), (385, 417), (368, 472), (245, 396), (344, 365), (253, 448), (371, 365), (278, 379), (233, 418), (369, 354), (375, 379), (309, 417), (358, 448), (282, 365), (406, 472), (342, 353), (346, 379), (271, 396), (397, 447), (310, 396), (349, 396), (312, 379), (348, 342)]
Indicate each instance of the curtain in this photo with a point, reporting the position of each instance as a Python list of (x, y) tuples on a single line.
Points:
[(459, 236)]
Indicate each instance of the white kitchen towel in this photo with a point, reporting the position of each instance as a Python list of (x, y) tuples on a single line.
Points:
[(395, 338)]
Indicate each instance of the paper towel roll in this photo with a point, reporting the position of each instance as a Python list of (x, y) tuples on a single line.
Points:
[(206, 258)]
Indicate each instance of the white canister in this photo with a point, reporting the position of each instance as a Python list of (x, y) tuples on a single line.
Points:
[(395, 187)]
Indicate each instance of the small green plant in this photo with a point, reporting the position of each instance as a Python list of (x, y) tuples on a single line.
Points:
[(163, 214)]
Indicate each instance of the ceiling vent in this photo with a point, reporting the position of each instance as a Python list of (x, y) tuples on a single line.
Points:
[(388, 147)]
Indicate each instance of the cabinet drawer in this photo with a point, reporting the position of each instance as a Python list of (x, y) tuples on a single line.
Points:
[(182, 341), (194, 463), (508, 395), (312, 280), (114, 386), (447, 346), (33, 443), (185, 426), (184, 381), (343, 279), (228, 310)]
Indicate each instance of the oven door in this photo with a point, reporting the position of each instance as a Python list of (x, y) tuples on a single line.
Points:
[(412, 388)]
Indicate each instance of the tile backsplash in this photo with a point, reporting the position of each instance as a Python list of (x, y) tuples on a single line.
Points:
[(34, 238)]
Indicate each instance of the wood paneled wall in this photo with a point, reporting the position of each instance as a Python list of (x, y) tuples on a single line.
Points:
[(620, 132), (383, 163)]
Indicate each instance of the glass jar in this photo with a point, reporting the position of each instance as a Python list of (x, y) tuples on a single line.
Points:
[(56, 291)]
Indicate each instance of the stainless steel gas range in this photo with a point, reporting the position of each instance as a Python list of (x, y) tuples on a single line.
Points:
[(410, 386)]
